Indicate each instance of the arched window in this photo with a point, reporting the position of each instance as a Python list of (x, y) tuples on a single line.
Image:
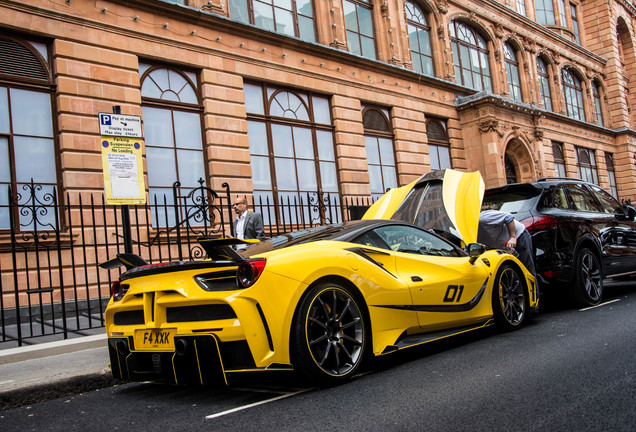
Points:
[(545, 12), (438, 144), (27, 135), (378, 141), (512, 72), (544, 84), (359, 24), (598, 107), (559, 159), (470, 57), (172, 131), (288, 17), (292, 152), (573, 93), (586, 163), (611, 174), (419, 39)]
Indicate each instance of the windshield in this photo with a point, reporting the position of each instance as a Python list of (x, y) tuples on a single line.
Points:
[(423, 206), (509, 200)]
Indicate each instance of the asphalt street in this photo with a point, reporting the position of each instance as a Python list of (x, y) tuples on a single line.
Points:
[(569, 370)]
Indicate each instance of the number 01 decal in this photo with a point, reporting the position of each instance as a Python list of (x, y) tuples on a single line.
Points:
[(453, 293)]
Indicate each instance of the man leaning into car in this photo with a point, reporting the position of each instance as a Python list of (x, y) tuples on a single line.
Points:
[(500, 230)]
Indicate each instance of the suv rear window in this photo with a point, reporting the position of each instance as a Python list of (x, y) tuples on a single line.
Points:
[(511, 199)]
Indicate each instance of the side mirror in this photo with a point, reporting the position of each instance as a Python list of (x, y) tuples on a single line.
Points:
[(628, 213), (475, 250)]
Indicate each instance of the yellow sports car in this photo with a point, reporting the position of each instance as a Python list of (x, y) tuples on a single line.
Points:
[(322, 300)]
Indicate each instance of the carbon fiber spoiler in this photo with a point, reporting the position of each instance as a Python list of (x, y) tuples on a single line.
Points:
[(223, 248)]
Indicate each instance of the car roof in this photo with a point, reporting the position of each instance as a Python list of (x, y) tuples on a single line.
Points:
[(343, 231), (540, 184)]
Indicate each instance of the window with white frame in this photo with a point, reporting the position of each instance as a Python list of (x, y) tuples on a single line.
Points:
[(173, 135)]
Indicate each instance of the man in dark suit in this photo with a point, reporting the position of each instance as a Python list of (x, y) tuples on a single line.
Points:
[(247, 225)]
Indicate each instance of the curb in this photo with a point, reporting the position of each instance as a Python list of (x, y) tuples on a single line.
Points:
[(47, 349)]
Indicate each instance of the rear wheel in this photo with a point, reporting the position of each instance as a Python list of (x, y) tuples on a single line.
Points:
[(509, 299), (329, 337), (589, 278)]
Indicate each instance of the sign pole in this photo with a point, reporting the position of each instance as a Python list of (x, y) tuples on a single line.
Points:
[(125, 211)]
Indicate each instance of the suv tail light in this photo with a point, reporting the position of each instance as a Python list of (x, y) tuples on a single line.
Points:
[(249, 271), (540, 223)]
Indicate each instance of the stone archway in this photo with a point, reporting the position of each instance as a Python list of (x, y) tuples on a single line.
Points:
[(518, 162)]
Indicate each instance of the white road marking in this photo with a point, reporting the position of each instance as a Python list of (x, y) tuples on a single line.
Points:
[(599, 305), (252, 405)]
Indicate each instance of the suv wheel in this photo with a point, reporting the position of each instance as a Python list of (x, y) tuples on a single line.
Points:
[(589, 278)]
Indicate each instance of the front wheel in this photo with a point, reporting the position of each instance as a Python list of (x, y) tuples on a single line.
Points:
[(509, 299), (329, 337), (589, 278)]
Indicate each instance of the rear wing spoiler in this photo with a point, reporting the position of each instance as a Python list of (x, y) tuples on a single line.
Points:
[(217, 249), (223, 248), (128, 260)]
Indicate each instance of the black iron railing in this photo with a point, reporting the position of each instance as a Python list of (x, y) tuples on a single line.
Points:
[(50, 281)]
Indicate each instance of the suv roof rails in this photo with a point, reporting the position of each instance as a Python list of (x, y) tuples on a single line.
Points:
[(560, 178)]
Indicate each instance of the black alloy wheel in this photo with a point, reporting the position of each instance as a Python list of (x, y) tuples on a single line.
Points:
[(509, 299), (329, 336), (589, 278)]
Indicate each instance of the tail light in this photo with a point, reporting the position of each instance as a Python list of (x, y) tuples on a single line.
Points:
[(249, 271), (118, 290), (540, 223)]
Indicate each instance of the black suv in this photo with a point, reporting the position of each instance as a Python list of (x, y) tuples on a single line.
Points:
[(580, 233)]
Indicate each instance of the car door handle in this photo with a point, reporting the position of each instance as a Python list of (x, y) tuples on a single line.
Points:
[(416, 279)]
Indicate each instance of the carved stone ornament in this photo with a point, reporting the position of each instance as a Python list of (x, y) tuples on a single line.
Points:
[(491, 126), (440, 31), (442, 6), (556, 56), (338, 44), (529, 46), (214, 6), (384, 8), (538, 134), (498, 30)]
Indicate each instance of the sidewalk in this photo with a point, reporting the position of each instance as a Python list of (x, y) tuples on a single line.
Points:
[(53, 369)]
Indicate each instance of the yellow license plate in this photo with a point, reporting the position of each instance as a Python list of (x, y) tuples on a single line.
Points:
[(155, 339)]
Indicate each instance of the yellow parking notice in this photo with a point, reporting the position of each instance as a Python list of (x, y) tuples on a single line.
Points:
[(123, 170)]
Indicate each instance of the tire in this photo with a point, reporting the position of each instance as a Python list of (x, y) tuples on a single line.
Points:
[(588, 287), (509, 299), (329, 335)]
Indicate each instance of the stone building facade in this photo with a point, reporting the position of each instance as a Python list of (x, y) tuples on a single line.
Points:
[(348, 97)]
